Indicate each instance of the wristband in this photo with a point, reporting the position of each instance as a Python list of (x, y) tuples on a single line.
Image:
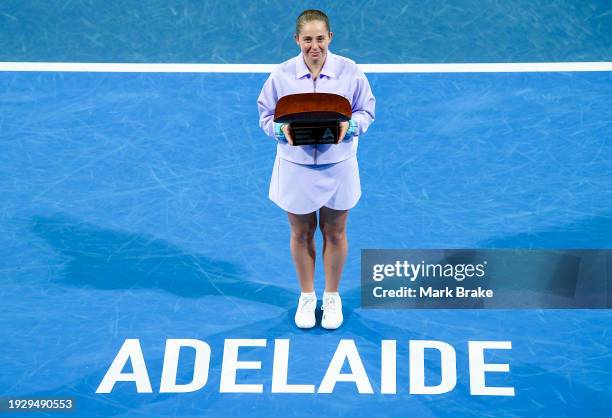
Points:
[(352, 129), (278, 131)]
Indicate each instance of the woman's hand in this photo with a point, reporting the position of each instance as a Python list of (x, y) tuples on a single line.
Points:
[(285, 129), (343, 129)]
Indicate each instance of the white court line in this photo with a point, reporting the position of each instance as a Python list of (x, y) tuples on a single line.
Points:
[(266, 68)]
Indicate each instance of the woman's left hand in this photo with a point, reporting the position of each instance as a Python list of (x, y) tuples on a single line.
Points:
[(343, 129)]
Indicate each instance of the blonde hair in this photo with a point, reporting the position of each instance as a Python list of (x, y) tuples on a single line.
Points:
[(308, 16)]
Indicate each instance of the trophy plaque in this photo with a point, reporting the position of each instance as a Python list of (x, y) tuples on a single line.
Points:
[(313, 118)]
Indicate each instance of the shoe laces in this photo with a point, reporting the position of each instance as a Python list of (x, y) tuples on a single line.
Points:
[(307, 304), (331, 304)]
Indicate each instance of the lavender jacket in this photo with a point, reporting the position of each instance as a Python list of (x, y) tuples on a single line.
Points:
[(339, 75)]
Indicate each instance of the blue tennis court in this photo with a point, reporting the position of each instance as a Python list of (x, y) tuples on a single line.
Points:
[(134, 206)]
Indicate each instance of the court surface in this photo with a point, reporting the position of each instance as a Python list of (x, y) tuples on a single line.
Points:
[(134, 205)]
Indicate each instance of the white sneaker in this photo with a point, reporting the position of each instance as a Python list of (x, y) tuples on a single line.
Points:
[(305, 314), (332, 311)]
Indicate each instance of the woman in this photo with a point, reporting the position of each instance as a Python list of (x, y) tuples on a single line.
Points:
[(311, 178)]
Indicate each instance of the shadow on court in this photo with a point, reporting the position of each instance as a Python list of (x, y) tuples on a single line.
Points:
[(109, 260)]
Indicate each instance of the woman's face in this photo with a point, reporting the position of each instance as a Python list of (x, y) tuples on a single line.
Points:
[(314, 40)]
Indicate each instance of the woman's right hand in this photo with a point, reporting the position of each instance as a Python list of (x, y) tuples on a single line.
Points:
[(285, 129)]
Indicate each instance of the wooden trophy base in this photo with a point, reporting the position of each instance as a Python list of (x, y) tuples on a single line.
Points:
[(313, 118)]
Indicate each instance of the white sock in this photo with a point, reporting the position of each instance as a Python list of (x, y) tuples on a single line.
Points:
[(313, 294), (325, 294)]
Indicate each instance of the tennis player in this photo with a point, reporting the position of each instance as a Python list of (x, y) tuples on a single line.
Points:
[(320, 178)]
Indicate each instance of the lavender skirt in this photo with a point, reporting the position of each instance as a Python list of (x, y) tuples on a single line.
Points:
[(301, 189)]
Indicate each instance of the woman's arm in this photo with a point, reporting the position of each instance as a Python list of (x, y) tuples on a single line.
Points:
[(266, 104), (364, 104)]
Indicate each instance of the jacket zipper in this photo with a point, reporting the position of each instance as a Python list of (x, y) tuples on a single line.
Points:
[(314, 86)]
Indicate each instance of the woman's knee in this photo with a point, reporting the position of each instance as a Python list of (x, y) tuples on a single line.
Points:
[(333, 225), (334, 234), (303, 232), (303, 227), (303, 235)]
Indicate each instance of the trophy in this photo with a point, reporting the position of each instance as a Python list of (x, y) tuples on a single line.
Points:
[(313, 118)]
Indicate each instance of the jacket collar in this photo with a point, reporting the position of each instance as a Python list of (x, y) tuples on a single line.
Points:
[(328, 70)]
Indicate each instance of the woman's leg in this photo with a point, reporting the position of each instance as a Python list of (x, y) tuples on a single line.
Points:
[(302, 247), (335, 245)]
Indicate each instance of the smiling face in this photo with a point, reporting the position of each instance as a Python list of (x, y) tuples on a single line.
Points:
[(314, 39)]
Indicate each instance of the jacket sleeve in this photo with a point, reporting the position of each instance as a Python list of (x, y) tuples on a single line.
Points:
[(266, 104), (364, 104)]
